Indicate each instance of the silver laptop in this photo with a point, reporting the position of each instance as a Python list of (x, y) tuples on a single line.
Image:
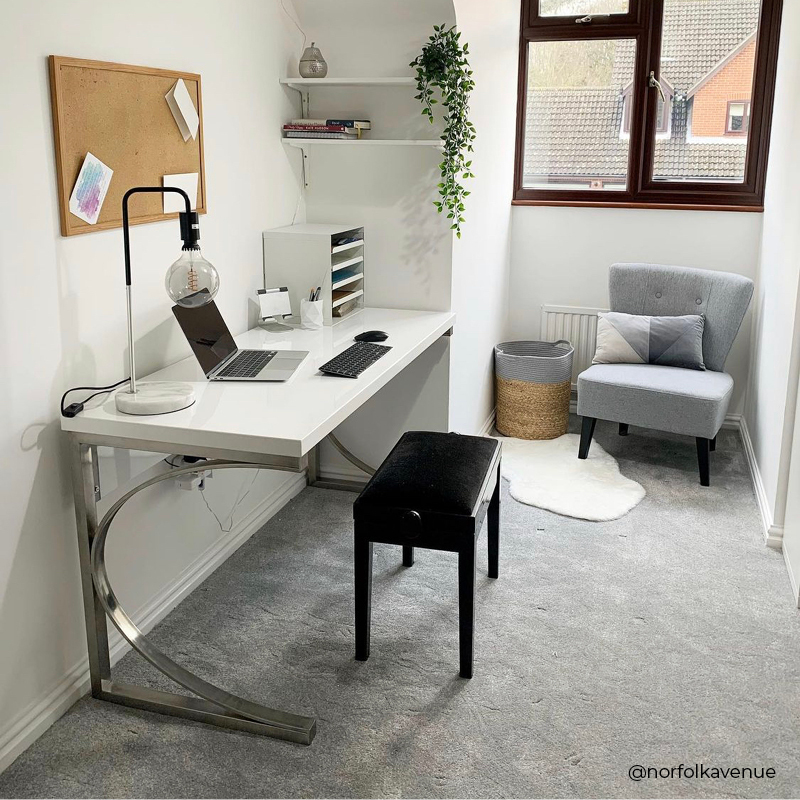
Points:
[(219, 356)]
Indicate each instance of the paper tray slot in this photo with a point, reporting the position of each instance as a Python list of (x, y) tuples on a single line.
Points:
[(343, 297), (349, 246), (346, 279), (347, 262)]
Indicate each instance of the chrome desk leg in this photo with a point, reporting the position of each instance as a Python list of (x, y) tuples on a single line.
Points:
[(351, 457), (312, 470), (343, 485), (214, 705), (83, 465)]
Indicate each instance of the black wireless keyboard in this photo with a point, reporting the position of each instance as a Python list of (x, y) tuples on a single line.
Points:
[(353, 361)]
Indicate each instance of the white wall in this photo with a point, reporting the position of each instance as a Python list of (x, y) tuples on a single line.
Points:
[(481, 258), (562, 256), (791, 532), (360, 38), (777, 291), (390, 191), (62, 304), (412, 258)]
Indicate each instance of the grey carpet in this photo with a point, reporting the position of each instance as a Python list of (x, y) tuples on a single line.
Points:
[(667, 636)]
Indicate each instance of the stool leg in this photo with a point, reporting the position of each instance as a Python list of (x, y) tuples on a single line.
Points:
[(493, 526), (408, 556), (363, 595), (466, 607)]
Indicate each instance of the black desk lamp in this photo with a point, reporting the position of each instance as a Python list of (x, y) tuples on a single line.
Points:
[(191, 281)]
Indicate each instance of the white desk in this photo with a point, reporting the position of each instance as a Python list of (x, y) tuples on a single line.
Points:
[(266, 425)]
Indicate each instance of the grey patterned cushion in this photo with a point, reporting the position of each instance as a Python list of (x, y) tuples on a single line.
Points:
[(632, 339)]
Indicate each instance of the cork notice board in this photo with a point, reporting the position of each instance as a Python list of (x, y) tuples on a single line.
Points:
[(119, 114)]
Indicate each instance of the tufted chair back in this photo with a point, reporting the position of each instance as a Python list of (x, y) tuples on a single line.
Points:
[(658, 290)]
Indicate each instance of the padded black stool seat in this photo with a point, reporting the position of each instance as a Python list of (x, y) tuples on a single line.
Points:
[(432, 491)]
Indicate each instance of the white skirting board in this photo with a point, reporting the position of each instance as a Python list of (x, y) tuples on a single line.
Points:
[(488, 426), (343, 472), (20, 732), (792, 577), (773, 534)]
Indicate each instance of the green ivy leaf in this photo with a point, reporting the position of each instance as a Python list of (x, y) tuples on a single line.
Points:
[(443, 65)]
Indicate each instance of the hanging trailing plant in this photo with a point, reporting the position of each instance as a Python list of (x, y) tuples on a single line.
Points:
[(443, 65)]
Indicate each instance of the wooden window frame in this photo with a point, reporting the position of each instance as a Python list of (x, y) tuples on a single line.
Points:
[(745, 118), (643, 23)]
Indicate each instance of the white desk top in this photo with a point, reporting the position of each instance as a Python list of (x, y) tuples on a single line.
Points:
[(284, 419)]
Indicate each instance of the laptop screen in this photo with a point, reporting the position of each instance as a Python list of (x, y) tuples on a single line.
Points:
[(207, 334)]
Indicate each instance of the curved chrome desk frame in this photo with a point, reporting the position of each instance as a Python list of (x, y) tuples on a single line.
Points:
[(284, 725), (212, 704)]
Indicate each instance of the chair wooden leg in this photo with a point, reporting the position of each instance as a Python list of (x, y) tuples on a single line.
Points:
[(466, 607), (623, 429), (587, 431), (408, 556), (363, 595), (703, 461), (493, 529), (713, 446)]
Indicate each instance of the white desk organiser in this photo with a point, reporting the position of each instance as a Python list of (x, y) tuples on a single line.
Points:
[(306, 256)]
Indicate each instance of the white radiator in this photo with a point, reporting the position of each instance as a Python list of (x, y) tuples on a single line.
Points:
[(578, 326)]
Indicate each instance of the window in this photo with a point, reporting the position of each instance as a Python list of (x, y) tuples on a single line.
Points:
[(640, 102), (738, 117), (557, 8)]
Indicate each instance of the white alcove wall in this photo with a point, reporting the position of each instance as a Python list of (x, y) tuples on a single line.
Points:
[(388, 189)]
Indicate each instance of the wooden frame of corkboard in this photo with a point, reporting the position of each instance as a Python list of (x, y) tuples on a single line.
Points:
[(118, 113)]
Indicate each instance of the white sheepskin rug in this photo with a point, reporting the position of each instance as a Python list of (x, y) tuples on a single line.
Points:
[(549, 474)]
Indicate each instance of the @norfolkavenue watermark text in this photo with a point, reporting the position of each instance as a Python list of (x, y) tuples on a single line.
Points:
[(638, 772)]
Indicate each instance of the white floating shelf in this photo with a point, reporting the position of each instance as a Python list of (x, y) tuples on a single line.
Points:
[(347, 298), (346, 281), (298, 142), (304, 82)]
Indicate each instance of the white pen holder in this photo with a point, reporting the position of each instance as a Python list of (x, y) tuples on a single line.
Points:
[(311, 316)]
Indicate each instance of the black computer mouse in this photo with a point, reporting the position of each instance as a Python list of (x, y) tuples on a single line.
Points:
[(371, 336)]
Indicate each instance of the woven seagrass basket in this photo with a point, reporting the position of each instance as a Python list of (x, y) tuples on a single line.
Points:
[(533, 382)]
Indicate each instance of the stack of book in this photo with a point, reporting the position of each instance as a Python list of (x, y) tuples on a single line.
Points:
[(326, 128)]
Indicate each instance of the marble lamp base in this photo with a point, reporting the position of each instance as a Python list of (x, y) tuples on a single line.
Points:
[(161, 397)]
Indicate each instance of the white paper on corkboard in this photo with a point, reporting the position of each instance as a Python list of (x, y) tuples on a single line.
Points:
[(182, 107)]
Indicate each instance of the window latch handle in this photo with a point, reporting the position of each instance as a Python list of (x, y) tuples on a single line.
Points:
[(654, 83)]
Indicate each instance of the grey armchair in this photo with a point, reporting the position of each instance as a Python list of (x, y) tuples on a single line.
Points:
[(685, 401)]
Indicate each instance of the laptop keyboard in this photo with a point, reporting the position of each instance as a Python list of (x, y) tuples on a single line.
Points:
[(247, 364), (353, 361)]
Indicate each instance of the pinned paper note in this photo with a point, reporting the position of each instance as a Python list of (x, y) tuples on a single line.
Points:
[(186, 181), (182, 107), (90, 189)]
